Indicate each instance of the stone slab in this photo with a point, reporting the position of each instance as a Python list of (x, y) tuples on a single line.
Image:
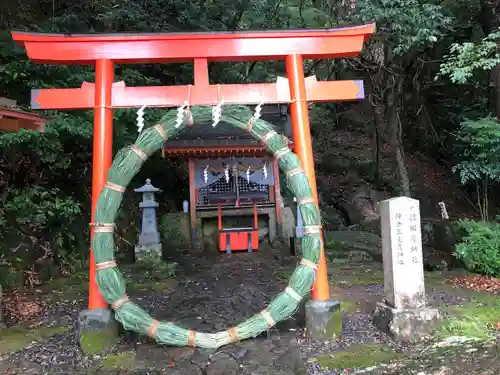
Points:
[(402, 253), (406, 325)]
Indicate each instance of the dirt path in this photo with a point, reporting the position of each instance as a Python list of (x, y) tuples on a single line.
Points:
[(213, 294)]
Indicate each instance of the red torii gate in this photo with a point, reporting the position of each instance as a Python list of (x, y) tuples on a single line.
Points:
[(106, 50)]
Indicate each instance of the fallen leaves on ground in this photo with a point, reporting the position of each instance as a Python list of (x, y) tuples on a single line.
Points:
[(21, 309), (478, 283)]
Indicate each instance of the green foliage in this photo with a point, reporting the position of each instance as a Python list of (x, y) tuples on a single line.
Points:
[(480, 247), (480, 141), (481, 151), (465, 59), (37, 207), (405, 25)]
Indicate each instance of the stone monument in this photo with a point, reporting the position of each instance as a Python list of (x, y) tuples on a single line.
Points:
[(149, 245), (404, 313)]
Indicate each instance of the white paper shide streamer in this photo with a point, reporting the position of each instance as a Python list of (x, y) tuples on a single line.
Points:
[(264, 170), (248, 174), (140, 119), (180, 115), (205, 174), (226, 173), (217, 113), (257, 112)]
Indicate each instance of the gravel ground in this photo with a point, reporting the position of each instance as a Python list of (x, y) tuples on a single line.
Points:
[(210, 296)]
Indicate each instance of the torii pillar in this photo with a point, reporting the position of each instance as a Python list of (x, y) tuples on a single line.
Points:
[(105, 50)]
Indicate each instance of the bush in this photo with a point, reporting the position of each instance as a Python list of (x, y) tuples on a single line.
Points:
[(479, 248)]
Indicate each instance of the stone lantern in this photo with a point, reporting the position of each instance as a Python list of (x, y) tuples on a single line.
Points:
[(149, 245)]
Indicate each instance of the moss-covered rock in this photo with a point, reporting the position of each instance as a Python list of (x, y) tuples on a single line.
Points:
[(477, 318), (358, 357), (344, 243), (17, 338), (93, 342)]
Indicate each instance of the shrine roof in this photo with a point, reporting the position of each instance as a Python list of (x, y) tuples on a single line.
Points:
[(27, 120)]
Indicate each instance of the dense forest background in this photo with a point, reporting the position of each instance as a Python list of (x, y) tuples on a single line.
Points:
[(428, 127)]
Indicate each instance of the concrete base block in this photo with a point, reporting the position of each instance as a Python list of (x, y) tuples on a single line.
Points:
[(148, 252), (97, 330), (406, 325), (323, 320)]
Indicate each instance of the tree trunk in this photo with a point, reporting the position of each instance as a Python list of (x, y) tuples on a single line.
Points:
[(490, 21), (395, 133), (379, 117)]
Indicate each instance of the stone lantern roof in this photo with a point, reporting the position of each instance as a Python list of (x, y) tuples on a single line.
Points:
[(147, 188)]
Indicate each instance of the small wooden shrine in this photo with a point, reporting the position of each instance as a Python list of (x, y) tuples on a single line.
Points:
[(13, 119), (232, 175)]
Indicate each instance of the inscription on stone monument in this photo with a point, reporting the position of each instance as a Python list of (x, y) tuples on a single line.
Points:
[(402, 252)]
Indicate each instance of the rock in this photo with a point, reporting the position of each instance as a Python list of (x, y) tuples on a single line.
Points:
[(438, 239), (333, 218), (184, 370), (362, 205), (354, 241), (439, 234), (222, 364)]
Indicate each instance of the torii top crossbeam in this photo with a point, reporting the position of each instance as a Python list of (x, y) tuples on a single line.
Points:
[(105, 50), (182, 47)]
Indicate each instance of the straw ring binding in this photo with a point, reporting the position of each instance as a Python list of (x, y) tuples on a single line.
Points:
[(152, 330), (309, 264), (268, 318), (139, 153), (250, 124), (192, 338), (103, 227), (292, 293), (161, 131), (312, 229), (266, 137), (119, 302), (281, 152), (233, 335), (305, 200), (105, 265), (115, 187), (294, 171)]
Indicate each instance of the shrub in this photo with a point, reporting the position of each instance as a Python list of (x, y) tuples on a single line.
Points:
[(479, 248)]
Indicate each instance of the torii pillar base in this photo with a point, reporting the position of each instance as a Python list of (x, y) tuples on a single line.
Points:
[(97, 330), (323, 320)]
